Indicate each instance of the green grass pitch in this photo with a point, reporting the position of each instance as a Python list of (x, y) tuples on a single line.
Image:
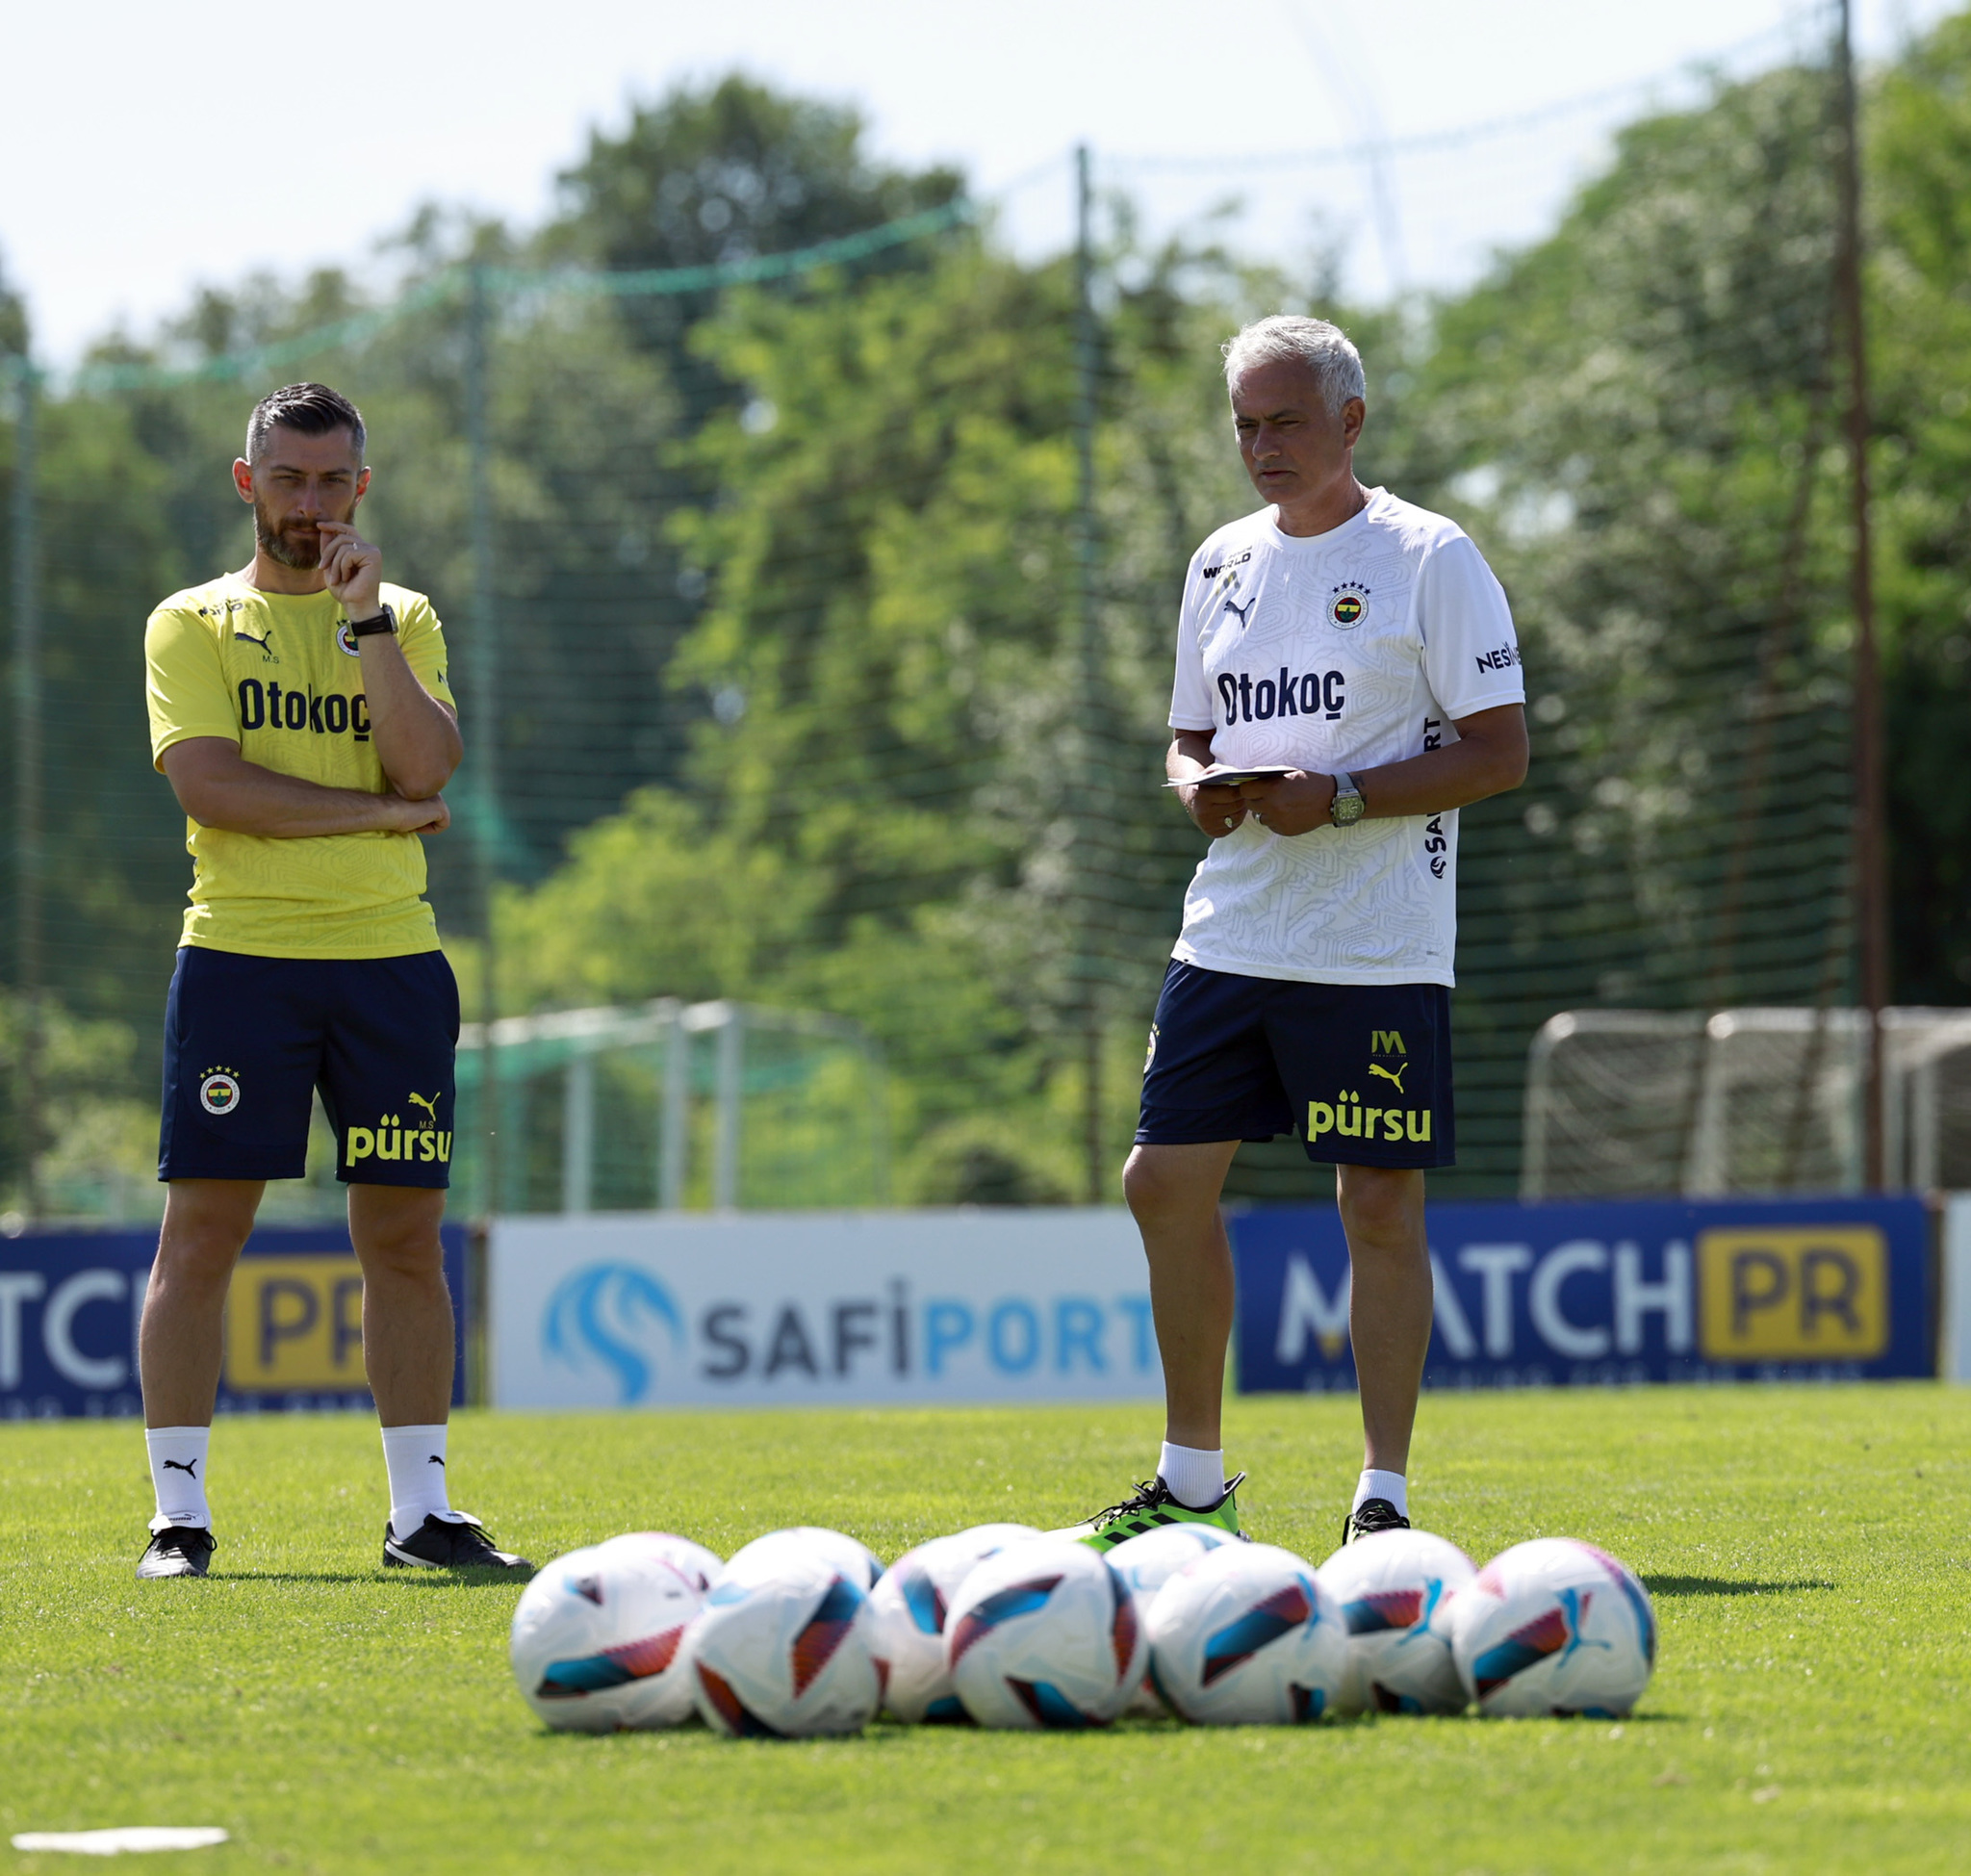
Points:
[(1809, 1551)]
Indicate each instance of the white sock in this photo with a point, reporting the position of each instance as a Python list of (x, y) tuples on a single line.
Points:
[(1197, 1478), (415, 1456), (177, 1474), (1391, 1485)]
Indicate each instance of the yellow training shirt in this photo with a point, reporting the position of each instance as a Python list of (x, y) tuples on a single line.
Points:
[(279, 674)]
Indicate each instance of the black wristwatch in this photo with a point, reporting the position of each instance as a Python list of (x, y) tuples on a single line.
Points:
[(385, 620)]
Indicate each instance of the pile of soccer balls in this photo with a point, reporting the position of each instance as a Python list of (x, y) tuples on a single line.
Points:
[(805, 1632)]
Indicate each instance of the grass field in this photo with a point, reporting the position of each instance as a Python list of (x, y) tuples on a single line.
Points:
[(1810, 1551)]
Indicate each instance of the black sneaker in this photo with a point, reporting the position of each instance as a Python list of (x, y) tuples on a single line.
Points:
[(456, 1543), (1152, 1509), (176, 1551), (1372, 1515)]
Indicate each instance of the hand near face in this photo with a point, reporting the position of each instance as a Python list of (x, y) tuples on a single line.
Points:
[(352, 568)]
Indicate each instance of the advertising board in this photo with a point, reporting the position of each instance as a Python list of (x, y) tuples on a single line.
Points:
[(70, 1302), (823, 1308), (1558, 1294)]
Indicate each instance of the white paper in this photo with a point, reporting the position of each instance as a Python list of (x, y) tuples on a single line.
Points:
[(1226, 776)]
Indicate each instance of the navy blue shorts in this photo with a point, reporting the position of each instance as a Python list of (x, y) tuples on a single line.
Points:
[(247, 1042), (1361, 1071)]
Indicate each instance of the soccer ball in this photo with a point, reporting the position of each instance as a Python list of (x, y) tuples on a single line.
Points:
[(1147, 1563), (1246, 1635), (855, 1561), (1044, 1634), (599, 1641), (1554, 1627), (699, 1566), (906, 1612), (782, 1650), (1394, 1588)]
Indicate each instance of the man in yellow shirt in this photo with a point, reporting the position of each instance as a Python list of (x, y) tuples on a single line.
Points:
[(300, 713)]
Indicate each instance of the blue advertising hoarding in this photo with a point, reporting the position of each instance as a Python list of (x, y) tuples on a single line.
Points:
[(70, 1302), (1615, 1291)]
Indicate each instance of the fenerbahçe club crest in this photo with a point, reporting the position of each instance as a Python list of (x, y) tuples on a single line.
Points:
[(220, 1092), (1348, 604)]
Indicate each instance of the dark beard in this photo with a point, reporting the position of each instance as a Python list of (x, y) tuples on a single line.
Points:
[(302, 556)]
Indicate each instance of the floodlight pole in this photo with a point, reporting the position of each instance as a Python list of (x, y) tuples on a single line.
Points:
[(1870, 819), (484, 733), (27, 778), (1088, 662)]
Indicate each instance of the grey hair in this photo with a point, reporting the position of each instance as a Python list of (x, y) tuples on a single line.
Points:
[(1323, 348)]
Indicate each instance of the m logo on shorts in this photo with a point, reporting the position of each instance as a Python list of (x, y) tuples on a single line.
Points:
[(220, 1092), (1386, 1042)]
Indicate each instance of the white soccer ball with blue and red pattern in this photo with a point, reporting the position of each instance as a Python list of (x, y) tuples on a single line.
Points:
[(1246, 1637), (1044, 1634), (855, 1561), (907, 1610), (598, 1643), (1554, 1627), (699, 1566), (781, 1650), (1147, 1563), (1396, 1589)]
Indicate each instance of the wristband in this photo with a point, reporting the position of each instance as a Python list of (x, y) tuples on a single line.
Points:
[(385, 620)]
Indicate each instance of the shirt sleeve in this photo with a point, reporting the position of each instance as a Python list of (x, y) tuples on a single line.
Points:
[(422, 639), (185, 686), (1470, 650), (1190, 696)]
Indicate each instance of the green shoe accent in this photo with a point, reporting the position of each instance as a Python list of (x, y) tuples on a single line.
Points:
[(1151, 1509)]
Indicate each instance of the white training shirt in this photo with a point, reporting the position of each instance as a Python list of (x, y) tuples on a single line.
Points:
[(1339, 651)]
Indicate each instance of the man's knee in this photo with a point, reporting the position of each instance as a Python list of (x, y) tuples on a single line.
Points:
[(207, 1222), (1381, 1205), (1160, 1183), (394, 1231)]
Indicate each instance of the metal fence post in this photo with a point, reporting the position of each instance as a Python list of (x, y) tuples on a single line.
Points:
[(579, 1134), (674, 1139), (482, 732), (729, 1097), (27, 784)]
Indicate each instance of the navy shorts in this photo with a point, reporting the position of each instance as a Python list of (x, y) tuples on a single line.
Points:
[(248, 1041), (1361, 1071)]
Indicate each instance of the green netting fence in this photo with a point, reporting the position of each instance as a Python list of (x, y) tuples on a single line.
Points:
[(812, 618)]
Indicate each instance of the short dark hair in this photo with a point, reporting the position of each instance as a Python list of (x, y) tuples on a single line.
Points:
[(312, 409)]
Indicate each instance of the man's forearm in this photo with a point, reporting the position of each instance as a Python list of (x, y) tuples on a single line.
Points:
[(249, 799), (413, 733), (1440, 780)]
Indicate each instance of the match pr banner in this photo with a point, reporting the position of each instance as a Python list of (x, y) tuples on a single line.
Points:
[(819, 1309), (70, 1302), (1584, 1294)]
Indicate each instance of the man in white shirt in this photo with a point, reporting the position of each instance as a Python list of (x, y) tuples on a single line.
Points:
[(1361, 651)]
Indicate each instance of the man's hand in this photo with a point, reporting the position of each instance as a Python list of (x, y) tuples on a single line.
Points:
[(1216, 811), (428, 816), (353, 569), (1292, 803)]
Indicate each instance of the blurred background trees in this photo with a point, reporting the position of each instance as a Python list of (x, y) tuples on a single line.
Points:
[(786, 583)]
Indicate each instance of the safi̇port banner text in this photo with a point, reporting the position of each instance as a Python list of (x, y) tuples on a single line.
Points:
[(819, 1309), (1557, 1295)]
